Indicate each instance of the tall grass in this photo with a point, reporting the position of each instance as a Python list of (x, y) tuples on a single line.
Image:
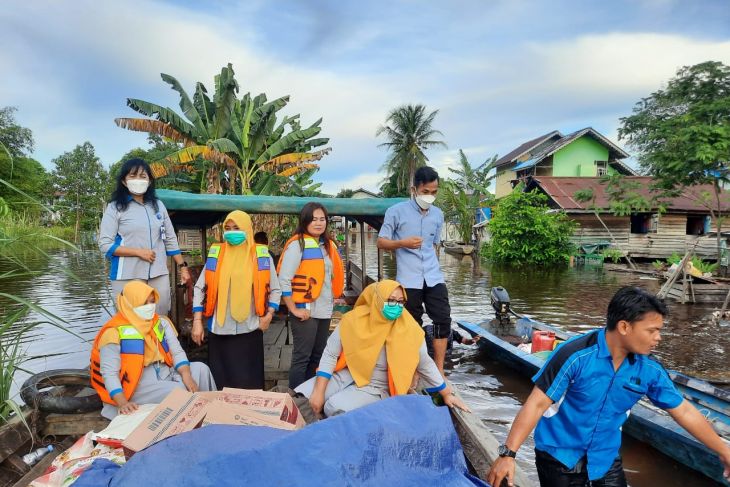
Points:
[(26, 228), (18, 236)]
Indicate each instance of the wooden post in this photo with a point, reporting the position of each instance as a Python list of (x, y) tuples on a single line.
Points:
[(380, 265), (362, 253), (348, 284)]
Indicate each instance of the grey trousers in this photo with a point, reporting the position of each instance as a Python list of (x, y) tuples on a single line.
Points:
[(161, 283), (310, 338), (342, 394), (155, 385)]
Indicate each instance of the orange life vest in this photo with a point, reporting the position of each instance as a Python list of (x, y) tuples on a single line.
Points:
[(342, 363), (306, 285), (261, 281), (131, 350)]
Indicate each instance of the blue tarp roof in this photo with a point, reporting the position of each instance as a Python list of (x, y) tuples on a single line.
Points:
[(526, 164)]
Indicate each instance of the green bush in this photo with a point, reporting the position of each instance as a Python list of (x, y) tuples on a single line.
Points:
[(704, 267), (614, 255), (675, 258), (523, 231), (658, 265)]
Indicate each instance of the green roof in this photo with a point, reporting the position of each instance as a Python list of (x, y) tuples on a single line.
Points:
[(190, 209)]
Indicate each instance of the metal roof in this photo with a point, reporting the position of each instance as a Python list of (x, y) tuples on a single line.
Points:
[(190, 209), (562, 191)]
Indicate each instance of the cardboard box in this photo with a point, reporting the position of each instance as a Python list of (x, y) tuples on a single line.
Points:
[(220, 412), (180, 411), (277, 405)]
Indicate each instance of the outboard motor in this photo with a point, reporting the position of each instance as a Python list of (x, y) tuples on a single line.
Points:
[(501, 303)]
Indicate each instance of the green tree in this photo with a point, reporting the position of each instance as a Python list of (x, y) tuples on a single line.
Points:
[(30, 177), (237, 138), (389, 187), (525, 231), (345, 193), (461, 198), (82, 180), (17, 140), (681, 135), (409, 133)]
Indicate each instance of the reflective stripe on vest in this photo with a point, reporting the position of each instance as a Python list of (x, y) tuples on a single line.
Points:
[(131, 352), (261, 279), (307, 281)]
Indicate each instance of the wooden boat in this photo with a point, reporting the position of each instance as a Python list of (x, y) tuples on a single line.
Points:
[(478, 443), (646, 422), (458, 249), (202, 211)]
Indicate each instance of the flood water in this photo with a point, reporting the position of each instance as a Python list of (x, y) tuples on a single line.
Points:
[(575, 298)]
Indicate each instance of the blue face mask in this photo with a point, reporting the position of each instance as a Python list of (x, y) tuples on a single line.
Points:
[(392, 311), (234, 237)]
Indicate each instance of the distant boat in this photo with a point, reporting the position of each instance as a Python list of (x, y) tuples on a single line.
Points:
[(456, 248)]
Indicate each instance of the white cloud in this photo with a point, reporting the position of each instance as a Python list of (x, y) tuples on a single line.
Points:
[(370, 181), (620, 62), (74, 63)]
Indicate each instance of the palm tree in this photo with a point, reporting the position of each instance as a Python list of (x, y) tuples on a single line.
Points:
[(409, 133), (236, 139)]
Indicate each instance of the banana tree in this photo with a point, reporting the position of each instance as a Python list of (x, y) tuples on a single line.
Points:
[(238, 138), (461, 198)]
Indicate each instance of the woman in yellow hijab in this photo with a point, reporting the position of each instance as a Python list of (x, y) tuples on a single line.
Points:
[(136, 357), (378, 350), (235, 299)]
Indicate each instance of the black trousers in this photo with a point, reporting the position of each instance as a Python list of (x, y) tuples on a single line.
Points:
[(310, 339), (237, 360), (552, 473), (436, 301)]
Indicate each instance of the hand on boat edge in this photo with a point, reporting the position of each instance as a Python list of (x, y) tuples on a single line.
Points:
[(453, 401)]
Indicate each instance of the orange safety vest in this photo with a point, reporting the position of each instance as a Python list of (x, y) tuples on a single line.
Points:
[(342, 363), (261, 281), (306, 285), (131, 350)]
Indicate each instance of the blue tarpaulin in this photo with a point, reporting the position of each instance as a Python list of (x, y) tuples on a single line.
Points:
[(399, 441)]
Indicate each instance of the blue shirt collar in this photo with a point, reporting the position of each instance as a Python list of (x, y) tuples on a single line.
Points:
[(605, 352)]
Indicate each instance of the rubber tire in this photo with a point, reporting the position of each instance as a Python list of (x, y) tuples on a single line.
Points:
[(46, 402)]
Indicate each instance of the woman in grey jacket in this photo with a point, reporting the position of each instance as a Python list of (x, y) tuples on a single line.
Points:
[(136, 234)]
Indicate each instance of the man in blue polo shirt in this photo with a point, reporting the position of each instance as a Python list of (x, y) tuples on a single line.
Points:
[(583, 393), (413, 230)]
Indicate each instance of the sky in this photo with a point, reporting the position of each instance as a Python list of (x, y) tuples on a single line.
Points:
[(499, 72)]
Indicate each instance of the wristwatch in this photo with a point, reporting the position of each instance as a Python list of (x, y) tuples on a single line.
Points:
[(184, 264), (503, 451)]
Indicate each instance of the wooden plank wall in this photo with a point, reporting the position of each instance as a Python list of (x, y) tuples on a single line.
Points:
[(590, 229), (670, 237)]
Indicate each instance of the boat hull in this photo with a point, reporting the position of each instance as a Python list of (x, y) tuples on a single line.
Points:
[(644, 423)]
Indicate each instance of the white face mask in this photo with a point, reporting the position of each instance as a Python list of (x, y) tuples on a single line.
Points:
[(146, 311), (424, 201), (137, 186)]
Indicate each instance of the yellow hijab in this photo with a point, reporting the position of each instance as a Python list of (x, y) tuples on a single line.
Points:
[(236, 273), (134, 294), (365, 330)]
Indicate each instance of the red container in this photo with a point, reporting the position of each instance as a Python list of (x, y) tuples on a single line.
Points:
[(542, 340)]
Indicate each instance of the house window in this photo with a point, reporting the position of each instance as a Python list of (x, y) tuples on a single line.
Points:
[(643, 223), (698, 225), (601, 168)]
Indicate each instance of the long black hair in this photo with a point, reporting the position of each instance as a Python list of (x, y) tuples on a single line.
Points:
[(121, 195), (306, 217)]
